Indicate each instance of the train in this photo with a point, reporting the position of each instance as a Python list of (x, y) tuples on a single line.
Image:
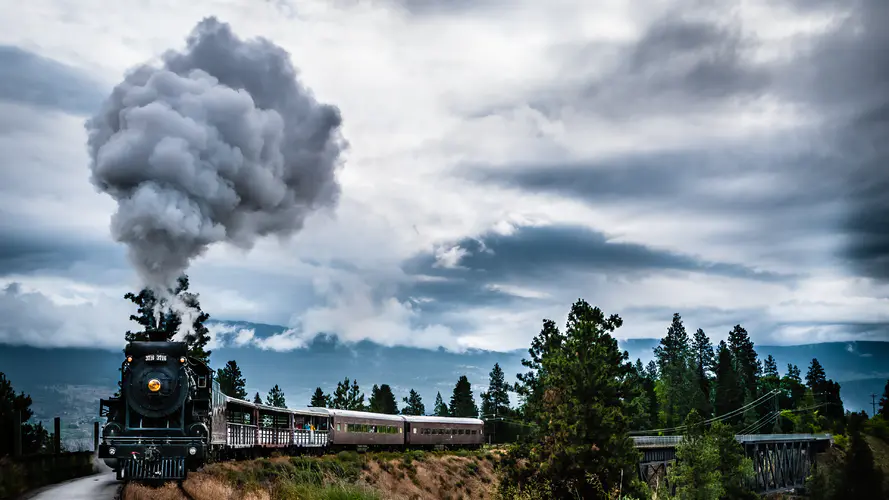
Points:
[(170, 417)]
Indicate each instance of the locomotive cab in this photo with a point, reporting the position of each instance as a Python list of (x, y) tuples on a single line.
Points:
[(157, 427)]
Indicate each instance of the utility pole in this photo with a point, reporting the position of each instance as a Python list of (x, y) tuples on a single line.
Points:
[(873, 404)]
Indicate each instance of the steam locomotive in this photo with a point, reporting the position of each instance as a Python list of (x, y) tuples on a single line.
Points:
[(171, 418)]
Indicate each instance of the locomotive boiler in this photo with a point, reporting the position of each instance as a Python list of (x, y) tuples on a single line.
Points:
[(158, 426)]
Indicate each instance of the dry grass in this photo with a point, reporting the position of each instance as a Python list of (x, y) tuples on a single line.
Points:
[(395, 476), (434, 477)]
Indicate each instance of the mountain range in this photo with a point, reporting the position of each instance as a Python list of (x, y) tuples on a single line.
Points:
[(68, 382)]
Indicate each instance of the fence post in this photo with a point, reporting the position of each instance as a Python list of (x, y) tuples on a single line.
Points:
[(96, 437), (57, 437), (17, 434)]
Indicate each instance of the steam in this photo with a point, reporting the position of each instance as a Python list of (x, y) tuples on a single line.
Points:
[(219, 144)]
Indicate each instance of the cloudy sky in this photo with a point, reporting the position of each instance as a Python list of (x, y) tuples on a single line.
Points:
[(504, 159)]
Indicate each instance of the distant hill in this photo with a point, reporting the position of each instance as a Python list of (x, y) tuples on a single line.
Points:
[(66, 381)]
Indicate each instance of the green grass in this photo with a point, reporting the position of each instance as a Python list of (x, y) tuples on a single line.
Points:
[(339, 491)]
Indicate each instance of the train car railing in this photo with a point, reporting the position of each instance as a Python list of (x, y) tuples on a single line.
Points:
[(302, 437), (241, 435), (274, 437)]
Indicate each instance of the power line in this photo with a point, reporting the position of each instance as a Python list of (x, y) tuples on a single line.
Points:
[(730, 414)]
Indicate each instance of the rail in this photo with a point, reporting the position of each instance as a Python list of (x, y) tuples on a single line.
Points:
[(672, 441), (306, 438), (241, 435)]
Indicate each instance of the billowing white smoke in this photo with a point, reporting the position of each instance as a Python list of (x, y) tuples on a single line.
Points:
[(219, 144)]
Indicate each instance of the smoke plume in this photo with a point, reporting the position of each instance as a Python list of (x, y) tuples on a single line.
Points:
[(220, 144)]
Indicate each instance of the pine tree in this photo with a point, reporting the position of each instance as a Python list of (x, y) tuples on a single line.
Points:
[(161, 322), (355, 398), (257, 399), (815, 377), (674, 359), (529, 386), (581, 419), (276, 397), (495, 401), (860, 478), (696, 474), (745, 360), (770, 367), (35, 437), (413, 404), (231, 381), (728, 395), (319, 399), (641, 404), (341, 395), (382, 400), (884, 403), (441, 409), (462, 400), (702, 349)]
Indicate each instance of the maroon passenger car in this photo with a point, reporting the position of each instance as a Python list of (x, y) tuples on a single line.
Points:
[(443, 431)]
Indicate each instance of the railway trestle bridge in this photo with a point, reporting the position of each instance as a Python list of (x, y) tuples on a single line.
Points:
[(781, 462)]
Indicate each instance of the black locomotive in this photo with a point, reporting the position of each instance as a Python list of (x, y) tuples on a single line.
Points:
[(158, 428)]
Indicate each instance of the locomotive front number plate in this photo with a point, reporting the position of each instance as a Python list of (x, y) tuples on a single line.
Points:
[(156, 357)]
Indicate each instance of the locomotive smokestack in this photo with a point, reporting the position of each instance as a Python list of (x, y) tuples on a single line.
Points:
[(221, 143)]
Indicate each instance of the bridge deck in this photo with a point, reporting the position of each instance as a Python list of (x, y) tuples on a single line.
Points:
[(672, 441)]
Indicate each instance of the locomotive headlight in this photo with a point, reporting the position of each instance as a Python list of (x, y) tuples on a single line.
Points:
[(112, 451), (182, 360), (192, 450), (129, 359), (154, 385)]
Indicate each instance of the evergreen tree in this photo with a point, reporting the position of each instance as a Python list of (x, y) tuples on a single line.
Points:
[(319, 399), (257, 399), (276, 397), (160, 321), (231, 381), (771, 368), (884, 403), (413, 404), (674, 359), (462, 400), (702, 349), (495, 401), (382, 400), (651, 370), (441, 409), (745, 360), (696, 473), (35, 437), (356, 397), (815, 377), (580, 412), (529, 386), (792, 388), (341, 395), (860, 478), (728, 394), (643, 416)]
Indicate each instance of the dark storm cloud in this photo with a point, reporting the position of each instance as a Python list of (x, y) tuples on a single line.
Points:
[(27, 250), (34, 80), (680, 64), (832, 173), (851, 82), (543, 254)]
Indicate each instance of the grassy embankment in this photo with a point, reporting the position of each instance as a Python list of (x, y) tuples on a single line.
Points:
[(346, 476)]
